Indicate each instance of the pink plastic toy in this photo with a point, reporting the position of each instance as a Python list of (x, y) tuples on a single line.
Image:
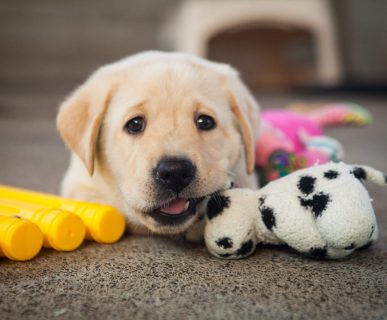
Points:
[(291, 140)]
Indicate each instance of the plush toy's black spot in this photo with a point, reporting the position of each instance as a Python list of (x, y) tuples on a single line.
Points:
[(245, 248), (306, 184), (318, 252), (225, 242), (268, 217), (225, 255), (372, 232), (318, 203), (359, 173), (216, 205), (262, 200), (331, 174), (351, 246), (385, 179)]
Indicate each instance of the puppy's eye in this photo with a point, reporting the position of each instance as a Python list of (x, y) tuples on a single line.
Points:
[(135, 125), (204, 122)]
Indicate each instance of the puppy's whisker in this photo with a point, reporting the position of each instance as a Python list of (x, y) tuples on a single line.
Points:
[(230, 173)]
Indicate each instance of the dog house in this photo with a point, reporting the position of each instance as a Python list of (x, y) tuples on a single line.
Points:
[(274, 43)]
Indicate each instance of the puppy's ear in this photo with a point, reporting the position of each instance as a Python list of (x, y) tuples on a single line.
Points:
[(80, 116), (246, 112)]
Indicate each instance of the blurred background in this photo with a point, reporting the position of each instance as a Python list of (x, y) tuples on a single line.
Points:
[(286, 51)]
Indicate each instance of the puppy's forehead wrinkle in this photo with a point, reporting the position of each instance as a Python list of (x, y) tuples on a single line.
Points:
[(174, 82), (170, 78)]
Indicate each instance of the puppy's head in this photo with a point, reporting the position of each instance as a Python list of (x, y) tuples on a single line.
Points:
[(163, 131)]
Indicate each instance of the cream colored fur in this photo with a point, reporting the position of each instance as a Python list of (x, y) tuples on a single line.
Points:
[(169, 90)]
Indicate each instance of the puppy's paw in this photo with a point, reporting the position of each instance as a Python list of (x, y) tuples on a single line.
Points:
[(195, 233)]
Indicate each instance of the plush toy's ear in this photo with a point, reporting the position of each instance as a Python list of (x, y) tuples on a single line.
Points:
[(80, 116), (246, 112), (369, 174)]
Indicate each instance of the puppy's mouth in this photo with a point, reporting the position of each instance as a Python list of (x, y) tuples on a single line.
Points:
[(175, 207), (176, 211)]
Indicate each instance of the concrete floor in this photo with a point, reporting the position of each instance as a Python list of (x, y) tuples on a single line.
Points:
[(166, 278)]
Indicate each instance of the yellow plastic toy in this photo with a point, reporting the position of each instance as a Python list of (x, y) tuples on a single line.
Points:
[(103, 223), (62, 230), (19, 238)]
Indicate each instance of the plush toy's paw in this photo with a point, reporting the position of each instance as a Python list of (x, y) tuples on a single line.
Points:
[(229, 231), (225, 248)]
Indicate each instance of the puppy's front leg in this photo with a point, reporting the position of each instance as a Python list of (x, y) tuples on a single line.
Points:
[(195, 233)]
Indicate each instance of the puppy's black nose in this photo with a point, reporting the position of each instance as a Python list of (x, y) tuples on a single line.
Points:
[(175, 173)]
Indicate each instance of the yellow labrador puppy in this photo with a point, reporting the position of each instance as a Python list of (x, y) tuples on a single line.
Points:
[(154, 134)]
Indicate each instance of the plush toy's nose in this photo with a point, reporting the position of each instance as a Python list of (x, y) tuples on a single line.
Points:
[(175, 173)]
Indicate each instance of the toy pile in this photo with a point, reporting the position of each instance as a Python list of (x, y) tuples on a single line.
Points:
[(293, 138), (320, 210), (30, 220), (309, 200)]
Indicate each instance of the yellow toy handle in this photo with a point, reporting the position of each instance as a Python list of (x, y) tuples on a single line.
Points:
[(62, 230), (103, 223), (20, 239)]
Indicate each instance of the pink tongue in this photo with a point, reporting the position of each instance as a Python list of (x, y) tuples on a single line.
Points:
[(176, 206)]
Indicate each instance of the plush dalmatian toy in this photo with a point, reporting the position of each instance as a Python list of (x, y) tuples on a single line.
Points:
[(322, 211)]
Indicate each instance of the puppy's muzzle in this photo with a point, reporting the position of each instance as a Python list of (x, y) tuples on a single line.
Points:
[(174, 173)]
